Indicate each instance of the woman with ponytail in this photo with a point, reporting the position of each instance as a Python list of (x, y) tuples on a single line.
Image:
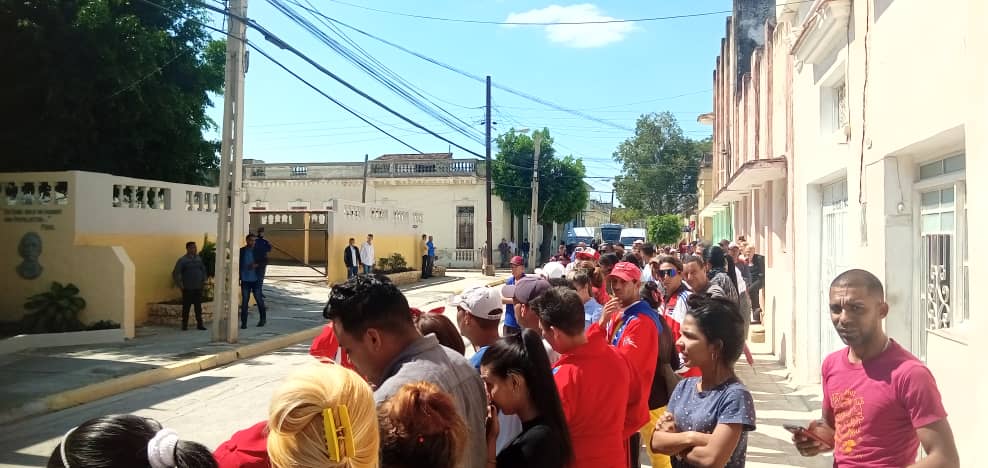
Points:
[(126, 440), (517, 374), (420, 428), (323, 416)]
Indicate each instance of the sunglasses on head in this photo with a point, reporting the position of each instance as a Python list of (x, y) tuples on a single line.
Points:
[(671, 272)]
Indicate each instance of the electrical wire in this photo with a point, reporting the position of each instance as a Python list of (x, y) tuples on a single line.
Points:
[(552, 23), (468, 74), (378, 71), (274, 39), (283, 67)]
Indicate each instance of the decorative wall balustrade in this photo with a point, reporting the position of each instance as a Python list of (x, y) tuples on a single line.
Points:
[(423, 168), (35, 193)]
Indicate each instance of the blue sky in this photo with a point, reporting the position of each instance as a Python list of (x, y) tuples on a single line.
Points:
[(613, 72)]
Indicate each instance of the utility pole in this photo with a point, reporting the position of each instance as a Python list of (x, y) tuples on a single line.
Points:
[(229, 225), (534, 221), (489, 271), (363, 194), (610, 209)]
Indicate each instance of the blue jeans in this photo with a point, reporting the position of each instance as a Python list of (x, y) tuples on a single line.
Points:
[(260, 270), (351, 271), (246, 289), (368, 269)]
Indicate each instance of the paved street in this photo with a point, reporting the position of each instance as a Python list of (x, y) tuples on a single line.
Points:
[(235, 396)]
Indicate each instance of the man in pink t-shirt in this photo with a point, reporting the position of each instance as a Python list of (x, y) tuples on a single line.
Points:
[(879, 402)]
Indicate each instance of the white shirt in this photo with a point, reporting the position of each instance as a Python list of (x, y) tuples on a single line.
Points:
[(353, 255), (367, 254)]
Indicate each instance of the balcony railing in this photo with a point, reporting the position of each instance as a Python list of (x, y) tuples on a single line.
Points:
[(423, 168)]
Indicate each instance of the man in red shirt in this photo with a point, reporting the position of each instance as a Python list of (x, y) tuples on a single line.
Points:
[(598, 388), (879, 402), (632, 327)]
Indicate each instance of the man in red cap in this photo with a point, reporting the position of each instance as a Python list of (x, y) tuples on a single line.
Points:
[(511, 326), (632, 327)]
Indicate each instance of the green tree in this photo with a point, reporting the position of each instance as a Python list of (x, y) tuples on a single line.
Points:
[(660, 167), (626, 216), (562, 192), (112, 86), (665, 229)]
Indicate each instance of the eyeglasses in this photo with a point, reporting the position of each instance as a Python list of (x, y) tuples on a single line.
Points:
[(670, 273)]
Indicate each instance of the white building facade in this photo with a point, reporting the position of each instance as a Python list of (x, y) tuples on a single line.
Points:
[(877, 109), (450, 193)]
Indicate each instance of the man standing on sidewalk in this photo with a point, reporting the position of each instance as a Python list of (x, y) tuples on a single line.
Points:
[(367, 255), (879, 401), (190, 275), (374, 325), (511, 326), (432, 255), (261, 250), (503, 248), (633, 328), (249, 285), (351, 258), (601, 416), (424, 251)]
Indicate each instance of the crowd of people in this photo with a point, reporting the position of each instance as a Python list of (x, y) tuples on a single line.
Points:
[(598, 357)]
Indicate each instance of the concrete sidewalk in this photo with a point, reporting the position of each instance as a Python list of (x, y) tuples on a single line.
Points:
[(50, 379), (778, 402)]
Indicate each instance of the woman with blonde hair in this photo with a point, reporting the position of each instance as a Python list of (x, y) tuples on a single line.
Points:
[(323, 415), (420, 428)]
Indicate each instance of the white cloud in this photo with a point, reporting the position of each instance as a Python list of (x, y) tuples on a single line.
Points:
[(575, 35)]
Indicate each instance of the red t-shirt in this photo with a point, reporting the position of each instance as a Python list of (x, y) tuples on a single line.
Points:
[(589, 379), (246, 449), (328, 346), (876, 406)]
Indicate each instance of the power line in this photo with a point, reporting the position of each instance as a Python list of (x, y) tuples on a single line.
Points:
[(283, 67), (274, 39), (468, 74), (520, 23), (377, 70)]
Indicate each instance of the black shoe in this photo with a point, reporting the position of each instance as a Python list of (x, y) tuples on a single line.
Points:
[(243, 326), (200, 327), (261, 323)]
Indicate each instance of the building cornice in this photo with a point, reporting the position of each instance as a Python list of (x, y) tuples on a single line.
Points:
[(823, 31)]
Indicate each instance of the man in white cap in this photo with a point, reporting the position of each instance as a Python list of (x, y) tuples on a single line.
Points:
[(478, 314), (551, 270)]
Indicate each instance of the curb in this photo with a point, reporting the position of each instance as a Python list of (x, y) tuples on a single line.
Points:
[(93, 392), (118, 385)]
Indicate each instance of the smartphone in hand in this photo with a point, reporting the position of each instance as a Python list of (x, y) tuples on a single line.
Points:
[(804, 432)]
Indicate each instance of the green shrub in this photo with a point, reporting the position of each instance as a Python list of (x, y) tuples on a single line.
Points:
[(393, 264), (665, 229), (208, 255), (54, 311)]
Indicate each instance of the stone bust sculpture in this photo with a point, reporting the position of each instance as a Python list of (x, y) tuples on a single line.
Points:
[(29, 249)]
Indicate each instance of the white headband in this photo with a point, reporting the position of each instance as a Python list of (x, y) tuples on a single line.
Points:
[(61, 448), (161, 449)]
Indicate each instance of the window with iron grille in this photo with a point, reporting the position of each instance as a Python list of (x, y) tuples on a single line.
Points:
[(464, 227), (943, 272), (299, 171), (257, 172), (841, 117)]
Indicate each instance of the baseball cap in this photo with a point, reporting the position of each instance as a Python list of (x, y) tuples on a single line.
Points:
[(626, 271), (732, 245), (551, 270), (586, 254), (638, 241), (517, 260), (479, 301), (527, 288)]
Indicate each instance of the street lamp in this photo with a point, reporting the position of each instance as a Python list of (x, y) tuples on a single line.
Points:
[(533, 222)]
